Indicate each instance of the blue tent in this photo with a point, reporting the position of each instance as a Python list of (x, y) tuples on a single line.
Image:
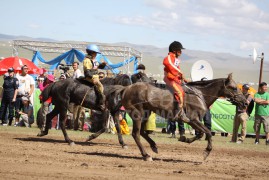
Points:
[(69, 57)]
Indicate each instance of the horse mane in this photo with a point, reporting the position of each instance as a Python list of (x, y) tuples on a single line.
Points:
[(83, 81), (107, 81), (204, 83), (122, 79), (140, 76)]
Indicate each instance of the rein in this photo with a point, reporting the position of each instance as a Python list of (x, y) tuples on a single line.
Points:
[(84, 97), (229, 91)]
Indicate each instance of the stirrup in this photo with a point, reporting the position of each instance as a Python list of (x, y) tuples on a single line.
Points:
[(178, 114), (182, 116)]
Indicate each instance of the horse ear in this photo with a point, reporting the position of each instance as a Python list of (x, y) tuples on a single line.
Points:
[(229, 78)]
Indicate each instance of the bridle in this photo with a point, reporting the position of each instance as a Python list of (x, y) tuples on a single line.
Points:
[(232, 94)]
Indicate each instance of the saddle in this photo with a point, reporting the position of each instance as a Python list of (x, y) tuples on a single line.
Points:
[(82, 80)]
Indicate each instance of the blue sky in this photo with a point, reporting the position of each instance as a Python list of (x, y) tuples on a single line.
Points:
[(233, 26)]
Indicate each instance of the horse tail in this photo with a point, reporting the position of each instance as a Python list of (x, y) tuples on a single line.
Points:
[(114, 96), (46, 93)]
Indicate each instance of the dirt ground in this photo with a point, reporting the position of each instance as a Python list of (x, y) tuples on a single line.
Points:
[(25, 156)]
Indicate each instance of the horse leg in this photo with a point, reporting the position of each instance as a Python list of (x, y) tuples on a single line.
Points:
[(104, 129), (75, 116), (117, 125), (199, 126), (145, 135), (136, 116), (62, 123)]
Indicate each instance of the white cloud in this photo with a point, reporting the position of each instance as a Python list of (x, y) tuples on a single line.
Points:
[(241, 21), (34, 26), (250, 45), (165, 4)]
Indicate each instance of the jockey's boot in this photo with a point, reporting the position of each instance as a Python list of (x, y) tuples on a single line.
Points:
[(180, 113), (101, 101), (182, 116)]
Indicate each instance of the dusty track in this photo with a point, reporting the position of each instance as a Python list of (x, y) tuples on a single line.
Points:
[(25, 156)]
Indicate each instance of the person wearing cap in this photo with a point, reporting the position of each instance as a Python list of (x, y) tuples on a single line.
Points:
[(173, 77), (26, 114), (241, 117), (9, 93), (90, 67), (261, 99), (45, 105), (26, 88)]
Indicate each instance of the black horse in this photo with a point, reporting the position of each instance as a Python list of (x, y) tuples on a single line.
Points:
[(141, 99), (65, 92), (79, 92)]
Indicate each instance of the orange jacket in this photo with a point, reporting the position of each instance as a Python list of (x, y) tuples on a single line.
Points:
[(172, 68)]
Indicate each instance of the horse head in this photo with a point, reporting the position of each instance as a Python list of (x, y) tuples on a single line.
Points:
[(122, 79), (140, 77), (233, 93)]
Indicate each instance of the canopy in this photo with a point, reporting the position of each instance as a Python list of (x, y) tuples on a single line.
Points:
[(69, 56), (17, 63)]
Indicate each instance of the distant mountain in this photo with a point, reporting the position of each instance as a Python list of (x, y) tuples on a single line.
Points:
[(4, 37)]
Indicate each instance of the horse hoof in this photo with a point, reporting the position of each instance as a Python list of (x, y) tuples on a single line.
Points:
[(89, 139), (125, 147), (206, 154), (154, 149), (182, 139), (148, 158), (72, 144), (42, 133)]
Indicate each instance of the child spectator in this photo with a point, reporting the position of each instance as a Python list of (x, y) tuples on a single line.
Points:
[(123, 125), (27, 114)]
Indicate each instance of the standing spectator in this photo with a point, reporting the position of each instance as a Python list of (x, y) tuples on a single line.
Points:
[(207, 120), (9, 93), (262, 112), (77, 72), (181, 128), (45, 105), (26, 88), (150, 125), (241, 117), (27, 113)]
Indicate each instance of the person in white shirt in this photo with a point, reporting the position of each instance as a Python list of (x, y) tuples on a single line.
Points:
[(77, 72), (26, 88)]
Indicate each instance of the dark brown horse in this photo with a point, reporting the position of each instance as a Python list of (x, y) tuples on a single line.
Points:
[(141, 99)]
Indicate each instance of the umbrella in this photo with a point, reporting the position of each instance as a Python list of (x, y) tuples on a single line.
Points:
[(3, 69), (17, 63)]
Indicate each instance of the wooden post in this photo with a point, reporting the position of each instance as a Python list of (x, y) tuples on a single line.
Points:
[(261, 68)]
